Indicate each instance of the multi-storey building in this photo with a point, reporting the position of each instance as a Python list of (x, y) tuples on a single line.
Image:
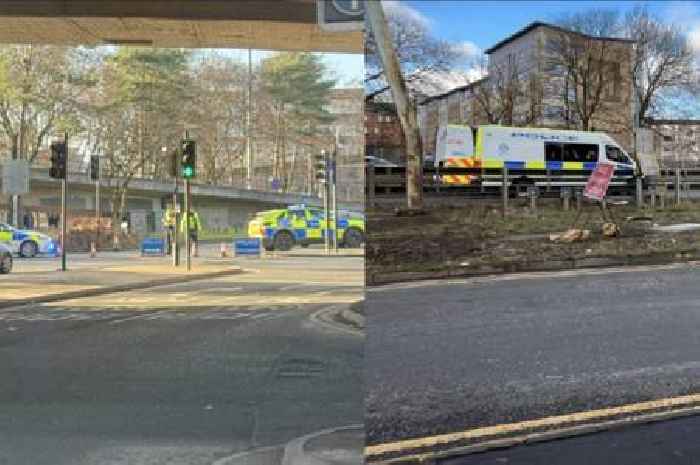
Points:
[(530, 65)]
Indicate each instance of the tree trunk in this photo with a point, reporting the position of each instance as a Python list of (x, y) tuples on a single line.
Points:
[(405, 109)]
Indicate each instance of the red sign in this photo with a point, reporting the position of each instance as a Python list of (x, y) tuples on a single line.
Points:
[(597, 185)]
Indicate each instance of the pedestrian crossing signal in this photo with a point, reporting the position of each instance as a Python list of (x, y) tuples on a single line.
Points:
[(59, 154)]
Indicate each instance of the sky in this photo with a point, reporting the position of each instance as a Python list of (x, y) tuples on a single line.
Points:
[(347, 68), (477, 25)]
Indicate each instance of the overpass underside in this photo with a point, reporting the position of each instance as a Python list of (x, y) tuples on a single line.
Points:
[(260, 24)]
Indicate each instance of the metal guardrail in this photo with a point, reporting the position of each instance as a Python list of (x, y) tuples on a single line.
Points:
[(390, 182)]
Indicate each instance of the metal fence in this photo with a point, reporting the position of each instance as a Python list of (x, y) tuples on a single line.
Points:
[(389, 184)]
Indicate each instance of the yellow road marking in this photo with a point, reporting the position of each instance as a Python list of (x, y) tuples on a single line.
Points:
[(477, 433)]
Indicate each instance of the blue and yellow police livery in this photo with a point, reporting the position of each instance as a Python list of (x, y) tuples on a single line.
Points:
[(282, 229), (529, 151), (26, 243)]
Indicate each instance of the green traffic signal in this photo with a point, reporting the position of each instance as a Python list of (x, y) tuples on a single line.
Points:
[(189, 158)]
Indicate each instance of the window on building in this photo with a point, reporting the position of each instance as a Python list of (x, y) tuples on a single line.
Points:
[(668, 139), (585, 153), (614, 81), (553, 112)]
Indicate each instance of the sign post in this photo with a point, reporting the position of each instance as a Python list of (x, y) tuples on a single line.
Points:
[(15, 177), (341, 15), (597, 185)]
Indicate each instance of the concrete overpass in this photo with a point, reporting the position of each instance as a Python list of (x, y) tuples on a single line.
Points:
[(219, 206), (259, 24)]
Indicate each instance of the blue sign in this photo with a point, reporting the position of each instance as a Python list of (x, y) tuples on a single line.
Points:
[(153, 246), (247, 247)]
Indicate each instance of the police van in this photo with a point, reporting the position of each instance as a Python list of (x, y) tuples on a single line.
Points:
[(530, 153)]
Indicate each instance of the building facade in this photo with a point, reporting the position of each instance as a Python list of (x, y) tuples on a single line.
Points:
[(531, 83), (675, 142), (384, 135)]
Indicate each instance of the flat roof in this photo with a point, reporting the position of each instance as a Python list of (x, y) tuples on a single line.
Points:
[(452, 91), (535, 24)]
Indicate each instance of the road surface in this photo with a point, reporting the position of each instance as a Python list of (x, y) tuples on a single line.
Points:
[(184, 374), (455, 355)]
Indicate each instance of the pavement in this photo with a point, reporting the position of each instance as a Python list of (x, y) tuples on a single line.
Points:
[(231, 369), (491, 355), (39, 279)]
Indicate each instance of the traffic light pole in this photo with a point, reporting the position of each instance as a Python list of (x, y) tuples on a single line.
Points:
[(64, 208), (97, 214), (188, 242), (174, 238), (335, 203), (326, 206)]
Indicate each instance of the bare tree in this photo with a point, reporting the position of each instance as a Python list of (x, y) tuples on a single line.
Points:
[(416, 49), (405, 108), (585, 55), (509, 96), (663, 58)]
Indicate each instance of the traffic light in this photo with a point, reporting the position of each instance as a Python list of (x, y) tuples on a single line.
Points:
[(59, 154), (321, 167), (173, 164), (189, 158), (94, 167)]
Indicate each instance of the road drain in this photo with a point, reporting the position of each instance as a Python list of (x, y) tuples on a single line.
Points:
[(300, 368)]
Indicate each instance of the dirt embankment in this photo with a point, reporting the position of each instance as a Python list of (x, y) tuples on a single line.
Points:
[(477, 238)]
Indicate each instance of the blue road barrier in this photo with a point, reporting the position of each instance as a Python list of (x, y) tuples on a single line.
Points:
[(153, 246), (247, 247)]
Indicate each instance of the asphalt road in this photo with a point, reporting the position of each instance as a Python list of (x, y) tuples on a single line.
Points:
[(450, 356), (667, 443), (185, 374)]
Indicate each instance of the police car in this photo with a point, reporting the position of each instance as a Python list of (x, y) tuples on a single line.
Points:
[(282, 229), (26, 243)]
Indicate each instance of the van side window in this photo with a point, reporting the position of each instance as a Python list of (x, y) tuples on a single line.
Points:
[(585, 153), (615, 154), (552, 151)]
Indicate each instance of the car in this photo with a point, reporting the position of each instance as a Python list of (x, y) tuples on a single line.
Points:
[(5, 259), (371, 160), (26, 243), (282, 229)]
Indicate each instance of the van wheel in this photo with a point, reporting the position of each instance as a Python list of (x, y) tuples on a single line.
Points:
[(283, 241)]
